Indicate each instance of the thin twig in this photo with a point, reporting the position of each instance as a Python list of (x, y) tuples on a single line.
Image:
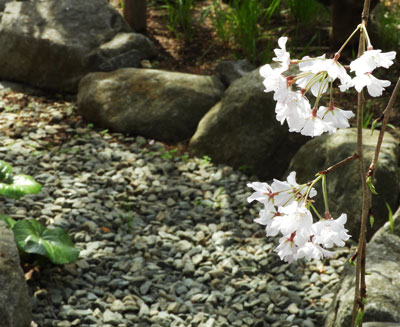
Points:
[(386, 115), (337, 165)]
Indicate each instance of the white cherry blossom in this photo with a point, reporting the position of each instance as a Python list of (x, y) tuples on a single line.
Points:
[(330, 232), (282, 55), (315, 126), (296, 219), (286, 249), (266, 214), (338, 117), (262, 192), (286, 190), (274, 81), (372, 59), (374, 86), (294, 109), (310, 250), (317, 83)]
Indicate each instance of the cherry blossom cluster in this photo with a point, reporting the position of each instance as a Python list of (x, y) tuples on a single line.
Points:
[(286, 211), (316, 76)]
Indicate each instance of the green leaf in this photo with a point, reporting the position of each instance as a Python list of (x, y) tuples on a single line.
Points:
[(19, 186), (371, 220), (359, 318), (53, 243), (5, 171), (390, 214), (373, 125), (9, 221), (371, 186)]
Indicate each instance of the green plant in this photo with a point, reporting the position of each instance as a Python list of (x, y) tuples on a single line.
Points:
[(221, 19), (389, 25), (180, 19), (205, 160), (367, 116), (30, 235), (241, 23), (306, 11), (169, 154)]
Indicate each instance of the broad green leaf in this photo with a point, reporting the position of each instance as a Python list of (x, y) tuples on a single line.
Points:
[(371, 186), (390, 214), (5, 171), (54, 243), (19, 186), (9, 221)]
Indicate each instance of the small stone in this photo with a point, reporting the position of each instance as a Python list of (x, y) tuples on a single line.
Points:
[(293, 309), (173, 307), (196, 259), (170, 202), (144, 310), (64, 323), (112, 318)]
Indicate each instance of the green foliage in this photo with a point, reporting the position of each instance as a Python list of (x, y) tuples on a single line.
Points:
[(169, 154), (53, 243), (180, 18), (306, 11), (16, 186), (30, 235), (205, 160), (371, 186), (359, 318), (240, 23), (367, 116), (390, 217), (389, 25), (220, 19), (247, 16)]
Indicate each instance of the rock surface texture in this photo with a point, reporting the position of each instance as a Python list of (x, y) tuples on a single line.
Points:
[(242, 131), (344, 189), (157, 104), (383, 283), (15, 302), (53, 44)]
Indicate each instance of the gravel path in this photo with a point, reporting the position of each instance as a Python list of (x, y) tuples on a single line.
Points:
[(165, 240)]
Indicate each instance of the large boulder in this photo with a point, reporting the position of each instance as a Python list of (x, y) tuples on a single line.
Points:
[(242, 131), (156, 104), (382, 280), (344, 183), (52, 44), (15, 302)]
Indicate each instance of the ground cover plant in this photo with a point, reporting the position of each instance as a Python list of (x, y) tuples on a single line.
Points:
[(30, 235)]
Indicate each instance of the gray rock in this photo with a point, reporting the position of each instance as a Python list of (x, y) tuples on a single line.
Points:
[(242, 131), (129, 59), (161, 105), (15, 302), (383, 282), (53, 44), (124, 50), (230, 70), (344, 185)]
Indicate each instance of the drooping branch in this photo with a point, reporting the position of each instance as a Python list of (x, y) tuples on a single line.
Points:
[(360, 286)]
